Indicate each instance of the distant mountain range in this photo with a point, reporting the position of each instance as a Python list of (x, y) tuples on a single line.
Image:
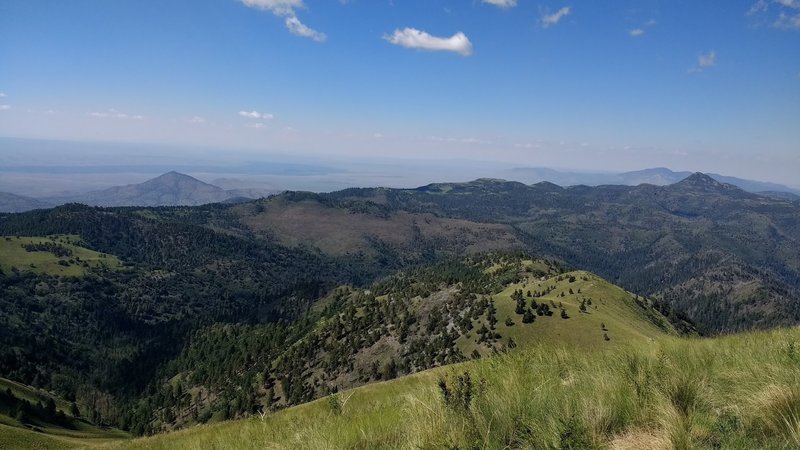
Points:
[(659, 176), (177, 189), (169, 189)]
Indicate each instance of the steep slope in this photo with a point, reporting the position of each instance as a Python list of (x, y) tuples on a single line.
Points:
[(96, 333), (427, 317), (368, 225), (169, 189)]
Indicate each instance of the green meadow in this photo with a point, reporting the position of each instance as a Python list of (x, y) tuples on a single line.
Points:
[(72, 259)]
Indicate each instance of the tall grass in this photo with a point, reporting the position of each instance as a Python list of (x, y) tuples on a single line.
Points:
[(738, 392)]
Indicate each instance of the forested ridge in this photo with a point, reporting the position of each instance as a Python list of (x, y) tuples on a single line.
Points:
[(217, 312)]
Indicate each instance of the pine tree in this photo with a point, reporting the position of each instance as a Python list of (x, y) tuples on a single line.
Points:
[(528, 317), (73, 410)]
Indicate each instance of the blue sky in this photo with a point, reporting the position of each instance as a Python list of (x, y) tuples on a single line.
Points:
[(698, 85)]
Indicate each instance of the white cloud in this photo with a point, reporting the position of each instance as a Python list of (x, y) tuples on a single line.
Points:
[(197, 119), (256, 125), (5, 107), (704, 61), (552, 19), (636, 32), (794, 4), (286, 8), (2, 94), (256, 115), (707, 60), (789, 21), (278, 7), (298, 28), (502, 3), (413, 38), (114, 114), (787, 17)]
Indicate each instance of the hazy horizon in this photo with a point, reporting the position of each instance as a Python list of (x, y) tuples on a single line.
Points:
[(48, 168)]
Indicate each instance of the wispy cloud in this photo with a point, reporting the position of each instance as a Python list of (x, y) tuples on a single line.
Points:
[(5, 107), (707, 60), (287, 10), (788, 21), (783, 14), (197, 119), (639, 31), (256, 125), (504, 4), (114, 114), (298, 28), (549, 20), (256, 115), (704, 61), (413, 38), (2, 94)]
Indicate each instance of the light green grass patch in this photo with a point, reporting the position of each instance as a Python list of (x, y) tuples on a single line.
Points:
[(626, 322), (13, 255)]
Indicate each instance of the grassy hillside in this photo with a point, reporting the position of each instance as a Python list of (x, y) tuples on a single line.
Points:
[(736, 392), (415, 320), (51, 255), (32, 418), (612, 316)]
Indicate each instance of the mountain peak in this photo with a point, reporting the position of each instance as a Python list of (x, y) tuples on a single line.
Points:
[(175, 175), (701, 182), (170, 189), (173, 178), (699, 179)]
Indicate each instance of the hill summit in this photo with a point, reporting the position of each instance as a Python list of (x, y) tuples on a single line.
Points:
[(170, 189)]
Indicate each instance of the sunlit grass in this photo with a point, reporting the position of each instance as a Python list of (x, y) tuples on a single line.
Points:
[(737, 392), (13, 256)]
